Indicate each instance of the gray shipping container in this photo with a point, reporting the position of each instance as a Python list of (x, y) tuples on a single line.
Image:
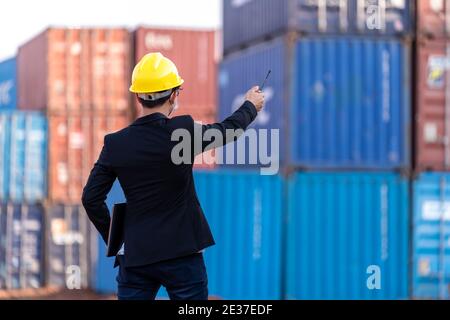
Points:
[(21, 246), (68, 247), (248, 21)]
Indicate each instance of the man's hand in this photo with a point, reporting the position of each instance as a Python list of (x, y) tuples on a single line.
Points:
[(255, 96)]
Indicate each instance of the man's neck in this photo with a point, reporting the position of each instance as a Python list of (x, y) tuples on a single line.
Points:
[(163, 109)]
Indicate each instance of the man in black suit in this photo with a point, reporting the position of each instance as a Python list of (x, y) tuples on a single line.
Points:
[(165, 229)]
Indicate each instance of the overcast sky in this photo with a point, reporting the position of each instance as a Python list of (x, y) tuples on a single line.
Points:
[(22, 19)]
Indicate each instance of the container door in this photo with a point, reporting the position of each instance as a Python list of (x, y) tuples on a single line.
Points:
[(32, 249), (5, 131), (433, 18), (17, 160), (36, 158), (432, 238), (3, 242)]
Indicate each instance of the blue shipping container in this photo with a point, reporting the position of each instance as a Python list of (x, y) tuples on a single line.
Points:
[(8, 80), (17, 157), (248, 21), (246, 262), (68, 247), (347, 236), (339, 102), (5, 139), (21, 246), (23, 163), (431, 244)]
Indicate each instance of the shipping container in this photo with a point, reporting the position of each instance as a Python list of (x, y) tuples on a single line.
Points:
[(275, 17), (431, 249), (433, 106), (23, 162), (348, 236), (5, 140), (104, 275), (21, 246), (337, 102), (433, 18), (194, 52), (246, 261), (75, 144), (68, 251), (8, 80), (76, 70)]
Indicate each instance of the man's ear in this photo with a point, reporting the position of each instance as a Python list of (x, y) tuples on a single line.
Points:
[(173, 96)]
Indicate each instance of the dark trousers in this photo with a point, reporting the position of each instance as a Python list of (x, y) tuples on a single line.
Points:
[(184, 279)]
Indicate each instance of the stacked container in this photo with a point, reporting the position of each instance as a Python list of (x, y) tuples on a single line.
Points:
[(431, 237), (23, 187), (339, 95), (79, 77), (72, 91)]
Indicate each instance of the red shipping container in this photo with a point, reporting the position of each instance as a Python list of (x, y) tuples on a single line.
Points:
[(433, 18), (75, 143), (76, 70), (195, 54), (433, 106)]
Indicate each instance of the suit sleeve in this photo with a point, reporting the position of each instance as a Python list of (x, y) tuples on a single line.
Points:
[(99, 184), (229, 130)]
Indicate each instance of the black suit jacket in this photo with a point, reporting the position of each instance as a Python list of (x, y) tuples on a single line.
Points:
[(164, 218)]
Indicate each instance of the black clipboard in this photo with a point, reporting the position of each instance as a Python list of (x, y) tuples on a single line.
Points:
[(116, 229)]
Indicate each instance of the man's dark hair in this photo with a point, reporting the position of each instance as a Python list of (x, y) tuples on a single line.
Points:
[(156, 103)]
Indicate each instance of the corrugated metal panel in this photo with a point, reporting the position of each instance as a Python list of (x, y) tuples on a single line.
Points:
[(72, 68), (104, 279), (76, 142), (377, 17), (339, 102), (23, 176), (21, 238), (17, 160), (352, 109), (8, 90), (431, 249), (3, 231), (68, 248), (32, 84), (193, 52), (433, 106), (433, 18), (345, 230), (5, 139), (35, 179), (244, 212), (239, 73)]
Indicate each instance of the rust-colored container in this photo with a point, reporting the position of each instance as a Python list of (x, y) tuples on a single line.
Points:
[(433, 106), (76, 70), (195, 54), (433, 18), (75, 143)]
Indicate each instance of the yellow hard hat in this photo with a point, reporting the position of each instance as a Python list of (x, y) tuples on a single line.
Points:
[(155, 73)]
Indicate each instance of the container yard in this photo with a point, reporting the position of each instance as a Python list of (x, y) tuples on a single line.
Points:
[(357, 95)]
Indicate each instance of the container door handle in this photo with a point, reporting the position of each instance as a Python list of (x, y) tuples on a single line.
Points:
[(322, 15)]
